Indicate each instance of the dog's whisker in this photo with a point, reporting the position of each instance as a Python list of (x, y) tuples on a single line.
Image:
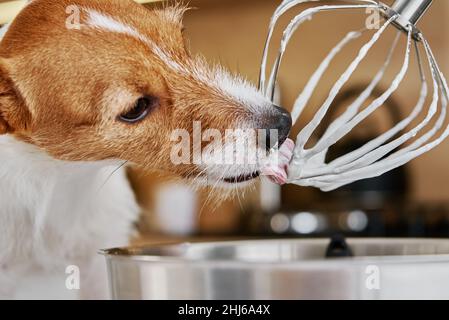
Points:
[(111, 174)]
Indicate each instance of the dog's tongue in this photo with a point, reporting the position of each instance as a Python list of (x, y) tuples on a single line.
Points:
[(277, 165)]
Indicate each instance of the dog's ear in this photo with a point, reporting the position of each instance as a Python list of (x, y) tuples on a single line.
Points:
[(4, 128), (13, 114)]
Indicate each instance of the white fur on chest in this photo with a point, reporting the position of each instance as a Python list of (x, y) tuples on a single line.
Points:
[(55, 213)]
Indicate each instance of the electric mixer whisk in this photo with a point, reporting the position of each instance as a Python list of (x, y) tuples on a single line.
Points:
[(382, 154)]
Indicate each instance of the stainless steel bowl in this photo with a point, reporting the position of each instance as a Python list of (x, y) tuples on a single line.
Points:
[(282, 269)]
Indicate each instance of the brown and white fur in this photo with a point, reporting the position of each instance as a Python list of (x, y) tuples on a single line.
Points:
[(62, 91)]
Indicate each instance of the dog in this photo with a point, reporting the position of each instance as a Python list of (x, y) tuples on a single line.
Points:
[(88, 87)]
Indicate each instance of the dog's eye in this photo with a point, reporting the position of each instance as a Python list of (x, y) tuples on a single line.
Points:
[(141, 109)]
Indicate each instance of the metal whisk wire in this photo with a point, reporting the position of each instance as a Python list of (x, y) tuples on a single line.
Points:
[(308, 166)]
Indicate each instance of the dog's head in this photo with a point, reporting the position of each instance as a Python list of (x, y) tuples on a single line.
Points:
[(90, 80)]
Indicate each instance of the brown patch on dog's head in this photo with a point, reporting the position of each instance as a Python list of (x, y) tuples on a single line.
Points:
[(90, 80)]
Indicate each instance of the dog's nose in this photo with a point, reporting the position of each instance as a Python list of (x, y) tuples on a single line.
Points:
[(277, 127)]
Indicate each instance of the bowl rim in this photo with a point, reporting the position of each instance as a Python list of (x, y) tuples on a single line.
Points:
[(125, 253)]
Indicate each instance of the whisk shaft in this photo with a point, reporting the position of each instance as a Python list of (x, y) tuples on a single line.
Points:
[(410, 11)]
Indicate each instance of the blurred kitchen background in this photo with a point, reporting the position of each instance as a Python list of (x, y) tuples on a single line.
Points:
[(412, 201)]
